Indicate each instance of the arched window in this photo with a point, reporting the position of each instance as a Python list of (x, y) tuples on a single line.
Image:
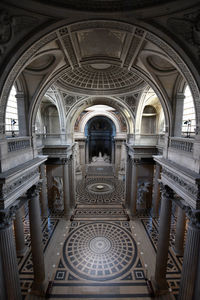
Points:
[(189, 120), (12, 126)]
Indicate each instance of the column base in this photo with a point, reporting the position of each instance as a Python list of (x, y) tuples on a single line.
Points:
[(22, 252), (177, 252), (160, 288), (39, 289), (132, 216)]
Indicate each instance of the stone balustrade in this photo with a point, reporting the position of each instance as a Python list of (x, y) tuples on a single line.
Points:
[(19, 143), (50, 139), (182, 144)]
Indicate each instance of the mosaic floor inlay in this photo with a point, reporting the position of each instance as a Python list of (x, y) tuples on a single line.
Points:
[(112, 191), (99, 251)]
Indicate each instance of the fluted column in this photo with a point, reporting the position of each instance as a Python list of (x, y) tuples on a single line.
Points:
[(156, 191), (134, 182), (128, 181), (159, 280), (71, 183), (19, 233), (10, 280), (180, 232), (66, 188), (190, 272), (39, 283), (43, 193)]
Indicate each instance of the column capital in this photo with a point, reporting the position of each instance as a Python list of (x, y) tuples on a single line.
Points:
[(7, 216), (194, 216), (34, 190), (65, 161), (166, 191)]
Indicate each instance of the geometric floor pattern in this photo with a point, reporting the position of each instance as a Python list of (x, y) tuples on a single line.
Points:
[(174, 264), (100, 256), (100, 190)]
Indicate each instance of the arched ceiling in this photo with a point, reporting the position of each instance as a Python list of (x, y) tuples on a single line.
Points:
[(101, 58)]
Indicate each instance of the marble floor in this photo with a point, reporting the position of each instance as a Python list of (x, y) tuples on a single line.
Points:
[(100, 254)]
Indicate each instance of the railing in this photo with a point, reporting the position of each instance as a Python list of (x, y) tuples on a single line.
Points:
[(182, 144), (50, 139), (20, 143), (146, 139)]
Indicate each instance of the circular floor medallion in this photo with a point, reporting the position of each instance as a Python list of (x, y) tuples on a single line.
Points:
[(100, 188), (99, 251)]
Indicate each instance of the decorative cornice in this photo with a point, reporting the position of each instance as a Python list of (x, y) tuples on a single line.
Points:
[(192, 189)]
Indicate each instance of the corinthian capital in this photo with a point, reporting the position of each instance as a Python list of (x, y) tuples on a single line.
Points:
[(7, 216)]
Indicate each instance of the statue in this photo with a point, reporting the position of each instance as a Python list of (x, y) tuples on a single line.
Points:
[(77, 158), (58, 193)]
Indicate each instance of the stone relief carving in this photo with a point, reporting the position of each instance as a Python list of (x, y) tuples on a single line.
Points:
[(188, 27), (58, 193), (192, 189), (7, 189), (77, 158), (12, 25)]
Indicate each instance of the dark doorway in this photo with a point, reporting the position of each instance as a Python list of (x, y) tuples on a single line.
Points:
[(100, 132)]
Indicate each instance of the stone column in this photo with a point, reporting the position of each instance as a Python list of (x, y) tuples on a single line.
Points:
[(128, 181), (10, 280), (19, 233), (133, 186), (66, 188), (180, 232), (21, 114), (156, 191), (159, 281), (190, 271), (39, 283), (43, 193)]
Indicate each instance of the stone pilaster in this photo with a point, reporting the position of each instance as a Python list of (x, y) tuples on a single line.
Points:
[(128, 181), (178, 114), (10, 280), (71, 183), (21, 114), (190, 273), (39, 283), (134, 183), (19, 233), (180, 232), (156, 191), (159, 280), (43, 193), (66, 188)]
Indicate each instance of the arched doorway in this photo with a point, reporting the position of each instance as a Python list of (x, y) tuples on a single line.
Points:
[(100, 132)]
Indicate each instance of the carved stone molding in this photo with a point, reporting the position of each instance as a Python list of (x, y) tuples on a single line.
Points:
[(7, 216), (7, 189), (192, 189)]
